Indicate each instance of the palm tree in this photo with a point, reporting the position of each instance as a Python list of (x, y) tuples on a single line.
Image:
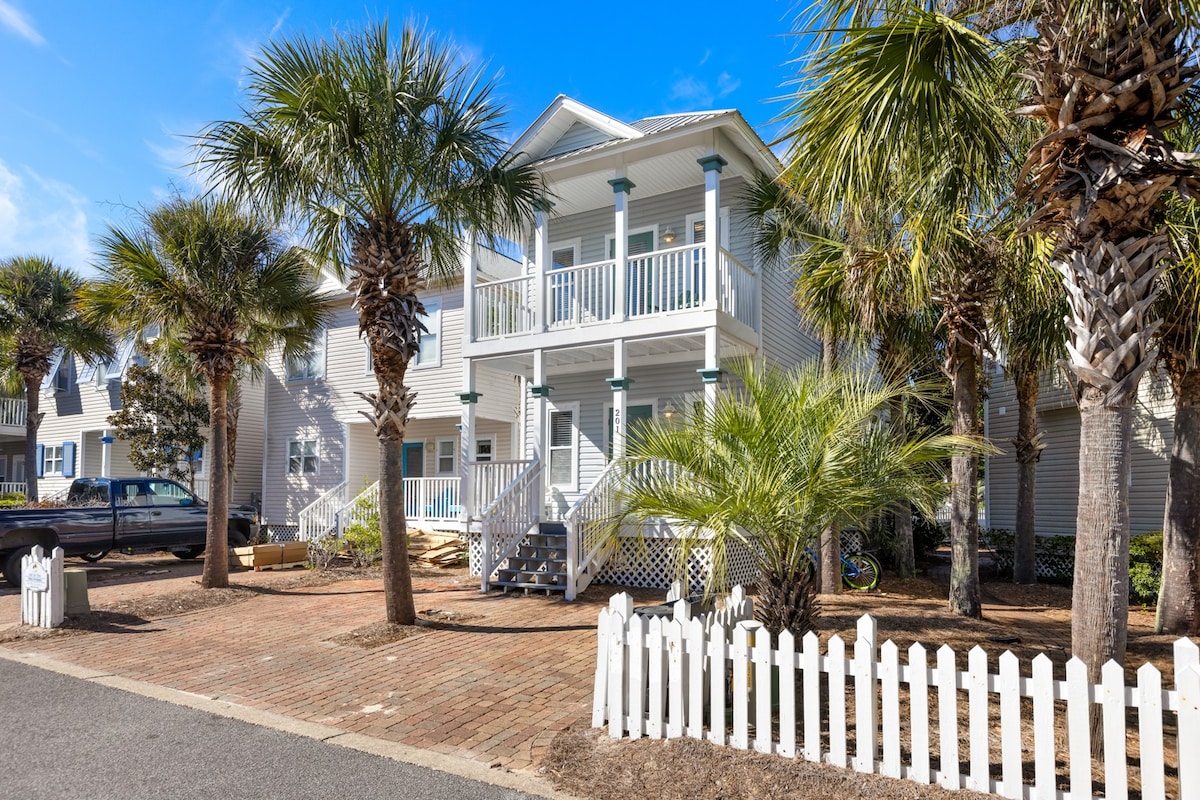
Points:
[(390, 151), (37, 316), (1179, 354), (900, 120), (774, 464), (1106, 81), (219, 283), (1028, 321)]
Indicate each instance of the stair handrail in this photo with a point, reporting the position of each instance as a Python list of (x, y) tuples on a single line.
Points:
[(320, 517), (588, 524), (351, 510), (506, 521)]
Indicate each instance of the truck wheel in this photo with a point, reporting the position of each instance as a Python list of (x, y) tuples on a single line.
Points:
[(189, 553), (92, 558), (238, 538), (12, 566)]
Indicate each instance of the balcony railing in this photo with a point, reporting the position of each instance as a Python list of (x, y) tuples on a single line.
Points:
[(12, 412), (658, 283)]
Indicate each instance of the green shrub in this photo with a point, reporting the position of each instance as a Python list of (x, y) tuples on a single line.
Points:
[(12, 499), (1145, 566), (363, 538)]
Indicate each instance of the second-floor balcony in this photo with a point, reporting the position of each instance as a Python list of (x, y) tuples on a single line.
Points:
[(656, 288), (12, 415)]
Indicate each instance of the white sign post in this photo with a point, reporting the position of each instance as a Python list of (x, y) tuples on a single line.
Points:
[(42, 588)]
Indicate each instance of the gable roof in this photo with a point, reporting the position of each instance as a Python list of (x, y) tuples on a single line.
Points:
[(560, 120)]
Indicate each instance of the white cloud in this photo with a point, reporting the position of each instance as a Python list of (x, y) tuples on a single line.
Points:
[(42, 216), (726, 84), (287, 12), (692, 91), (19, 23)]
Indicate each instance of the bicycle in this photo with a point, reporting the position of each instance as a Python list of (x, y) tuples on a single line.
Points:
[(860, 571)]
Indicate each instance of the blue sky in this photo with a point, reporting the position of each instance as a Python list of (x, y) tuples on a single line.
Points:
[(97, 97)]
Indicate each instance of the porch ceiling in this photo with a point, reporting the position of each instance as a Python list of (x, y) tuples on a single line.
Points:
[(638, 353)]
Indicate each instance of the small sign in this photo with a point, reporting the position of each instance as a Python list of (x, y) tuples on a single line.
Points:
[(34, 578)]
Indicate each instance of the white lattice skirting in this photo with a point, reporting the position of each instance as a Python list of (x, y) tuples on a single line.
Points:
[(651, 563)]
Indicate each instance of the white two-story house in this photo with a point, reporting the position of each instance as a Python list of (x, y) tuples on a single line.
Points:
[(322, 455), (75, 438), (639, 281)]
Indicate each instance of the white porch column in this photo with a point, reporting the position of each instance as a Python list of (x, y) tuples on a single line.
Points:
[(711, 373), (620, 388), (541, 262), (540, 391), (712, 165), (468, 273), (106, 440), (621, 186), (466, 436)]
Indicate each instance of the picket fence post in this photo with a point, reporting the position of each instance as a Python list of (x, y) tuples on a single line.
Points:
[(42, 588)]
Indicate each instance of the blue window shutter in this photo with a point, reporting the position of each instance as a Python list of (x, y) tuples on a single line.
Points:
[(68, 459), (41, 459)]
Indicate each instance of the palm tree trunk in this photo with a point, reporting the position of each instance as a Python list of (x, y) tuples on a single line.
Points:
[(906, 559), (829, 577), (1101, 588), (216, 557), (1029, 451), (233, 407), (33, 419), (964, 493), (397, 581), (1179, 597)]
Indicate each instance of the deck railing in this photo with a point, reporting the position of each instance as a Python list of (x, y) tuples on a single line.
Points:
[(320, 517), (656, 283), (12, 412)]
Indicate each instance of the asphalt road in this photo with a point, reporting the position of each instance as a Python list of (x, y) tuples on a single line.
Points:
[(63, 738)]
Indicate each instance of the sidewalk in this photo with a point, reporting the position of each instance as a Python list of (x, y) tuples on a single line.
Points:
[(494, 688)]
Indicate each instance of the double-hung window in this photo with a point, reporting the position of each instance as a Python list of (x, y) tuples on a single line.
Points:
[(430, 354), (303, 458), (563, 447), (309, 365)]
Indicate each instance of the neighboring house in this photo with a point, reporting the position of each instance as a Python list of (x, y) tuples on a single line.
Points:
[(639, 282), (322, 453), (75, 438), (1058, 469), (12, 444)]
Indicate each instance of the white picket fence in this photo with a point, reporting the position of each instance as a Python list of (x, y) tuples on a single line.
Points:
[(42, 590), (675, 677)]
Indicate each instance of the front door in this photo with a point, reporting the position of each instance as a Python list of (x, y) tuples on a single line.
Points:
[(413, 462)]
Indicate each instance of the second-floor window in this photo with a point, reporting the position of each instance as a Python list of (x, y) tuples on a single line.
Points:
[(430, 354), (303, 457), (310, 365)]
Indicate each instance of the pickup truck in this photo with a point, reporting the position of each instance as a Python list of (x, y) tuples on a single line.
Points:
[(131, 515)]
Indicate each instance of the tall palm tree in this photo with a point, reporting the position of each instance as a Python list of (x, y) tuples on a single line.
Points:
[(37, 316), (1179, 354), (1106, 80), (221, 284), (1028, 322), (900, 115), (390, 151), (775, 463)]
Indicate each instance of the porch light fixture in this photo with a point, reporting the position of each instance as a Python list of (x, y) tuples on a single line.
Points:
[(669, 235), (669, 410)]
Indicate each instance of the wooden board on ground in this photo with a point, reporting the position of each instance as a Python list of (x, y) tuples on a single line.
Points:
[(436, 549), (289, 565)]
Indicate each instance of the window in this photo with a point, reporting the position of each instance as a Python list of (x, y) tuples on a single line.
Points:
[(310, 365), (302, 457), (446, 456), (485, 448), (695, 228), (430, 354), (562, 287), (18, 469), (168, 493), (562, 448), (52, 459), (62, 378), (641, 297), (197, 461)]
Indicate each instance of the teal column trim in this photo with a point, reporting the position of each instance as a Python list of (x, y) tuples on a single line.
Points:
[(540, 391), (619, 384), (710, 375), (621, 185), (711, 162), (469, 397)]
